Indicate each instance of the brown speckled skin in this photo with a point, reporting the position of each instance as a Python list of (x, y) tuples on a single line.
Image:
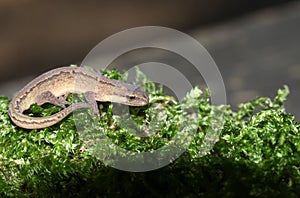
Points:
[(56, 84)]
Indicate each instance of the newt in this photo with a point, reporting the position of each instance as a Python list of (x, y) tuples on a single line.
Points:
[(55, 85)]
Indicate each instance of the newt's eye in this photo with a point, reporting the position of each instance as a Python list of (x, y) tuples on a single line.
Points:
[(131, 97)]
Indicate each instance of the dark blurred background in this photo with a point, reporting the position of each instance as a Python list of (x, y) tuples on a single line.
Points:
[(255, 43)]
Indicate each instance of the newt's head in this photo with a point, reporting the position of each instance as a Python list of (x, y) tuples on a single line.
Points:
[(130, 95)]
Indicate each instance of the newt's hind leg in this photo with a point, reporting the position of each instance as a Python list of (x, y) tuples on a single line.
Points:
[(49, 97)]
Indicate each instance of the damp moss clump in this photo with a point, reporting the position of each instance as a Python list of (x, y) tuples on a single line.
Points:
[(255, 151)]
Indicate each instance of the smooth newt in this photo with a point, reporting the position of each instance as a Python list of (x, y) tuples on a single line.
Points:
[(54, 86)]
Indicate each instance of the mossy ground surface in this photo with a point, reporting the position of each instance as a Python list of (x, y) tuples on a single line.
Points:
[(257, 152)]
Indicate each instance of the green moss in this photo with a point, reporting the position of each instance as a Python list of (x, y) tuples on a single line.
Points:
[(257, 153)]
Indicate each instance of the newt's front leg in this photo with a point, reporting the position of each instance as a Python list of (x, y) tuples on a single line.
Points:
[(90, 99)]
